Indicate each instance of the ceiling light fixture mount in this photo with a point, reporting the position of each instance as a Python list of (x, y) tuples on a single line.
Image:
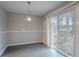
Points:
[(29, 2)]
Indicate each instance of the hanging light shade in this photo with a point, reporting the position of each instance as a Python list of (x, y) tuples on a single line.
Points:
[(29, 18), (28, 13)]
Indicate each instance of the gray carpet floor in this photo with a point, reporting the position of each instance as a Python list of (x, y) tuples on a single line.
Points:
[(31, 50)]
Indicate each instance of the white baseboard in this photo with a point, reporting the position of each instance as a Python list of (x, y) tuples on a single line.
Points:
[(45, 43), (1, 52), (23, 43)]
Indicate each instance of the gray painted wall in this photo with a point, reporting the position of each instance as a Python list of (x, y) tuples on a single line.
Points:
[(20, 31), (3, 33)]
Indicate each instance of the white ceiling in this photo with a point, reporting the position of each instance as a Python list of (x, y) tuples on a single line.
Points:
[(38, 8)]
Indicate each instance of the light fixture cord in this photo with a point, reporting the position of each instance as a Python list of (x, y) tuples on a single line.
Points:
[(29, 8)]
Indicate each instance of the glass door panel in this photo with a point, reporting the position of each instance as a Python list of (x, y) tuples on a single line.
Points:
[(65, 31)]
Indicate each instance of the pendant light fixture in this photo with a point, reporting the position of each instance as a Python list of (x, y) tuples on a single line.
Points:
[(28, 13)]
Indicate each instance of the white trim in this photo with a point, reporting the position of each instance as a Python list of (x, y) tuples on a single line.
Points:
[(3, 32), (26, 31), (61, 9), (44, 42), (1, 52), (20, 31), (24, 43), (64, 53)]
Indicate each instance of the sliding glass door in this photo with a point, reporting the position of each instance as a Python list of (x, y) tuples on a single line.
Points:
[(63, 33)]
